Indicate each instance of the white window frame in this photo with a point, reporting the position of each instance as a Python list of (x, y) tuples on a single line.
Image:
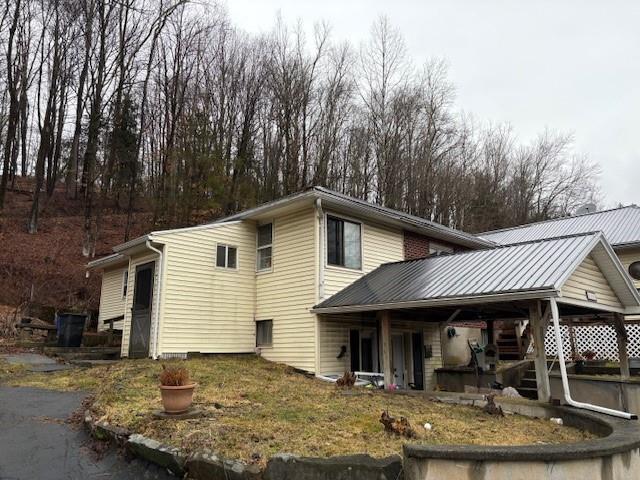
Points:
[(226, 257), (273, 230), (125, 283), (326, 242), (270, 345)]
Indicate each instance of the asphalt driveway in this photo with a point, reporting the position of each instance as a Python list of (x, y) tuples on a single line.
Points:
[(36, 443)]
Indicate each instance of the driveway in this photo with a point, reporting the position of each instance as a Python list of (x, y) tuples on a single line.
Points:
[(36, 443)]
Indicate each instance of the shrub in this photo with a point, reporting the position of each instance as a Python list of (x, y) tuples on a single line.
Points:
[(174, 376)]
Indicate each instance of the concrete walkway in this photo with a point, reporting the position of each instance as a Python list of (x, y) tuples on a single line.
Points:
[(36, 362), (36, 443)]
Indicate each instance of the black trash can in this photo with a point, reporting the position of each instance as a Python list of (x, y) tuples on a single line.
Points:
[(70, 328)]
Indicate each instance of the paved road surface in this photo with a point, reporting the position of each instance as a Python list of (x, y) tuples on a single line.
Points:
[(36, 444)]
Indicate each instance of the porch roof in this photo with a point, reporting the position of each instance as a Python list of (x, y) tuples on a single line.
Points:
[(529, 270)]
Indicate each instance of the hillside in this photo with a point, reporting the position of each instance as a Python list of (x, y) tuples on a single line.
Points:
[(48, 268)]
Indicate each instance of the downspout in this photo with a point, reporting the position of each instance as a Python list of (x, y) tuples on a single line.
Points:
[(320, 249), (157, 299), (563, 373), (320, 291)]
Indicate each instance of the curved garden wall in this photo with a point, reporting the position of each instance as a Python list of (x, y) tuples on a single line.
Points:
[(614, 456)]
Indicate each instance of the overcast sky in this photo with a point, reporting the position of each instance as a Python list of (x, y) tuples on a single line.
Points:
[(572, 66)]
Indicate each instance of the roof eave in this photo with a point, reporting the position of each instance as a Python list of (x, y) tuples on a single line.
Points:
[(441, 233), (109, 260), (540, 293)]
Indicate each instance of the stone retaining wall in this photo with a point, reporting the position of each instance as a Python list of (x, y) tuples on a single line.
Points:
[(614, 456)]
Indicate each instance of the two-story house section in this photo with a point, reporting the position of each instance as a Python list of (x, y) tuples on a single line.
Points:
[(249, 281)]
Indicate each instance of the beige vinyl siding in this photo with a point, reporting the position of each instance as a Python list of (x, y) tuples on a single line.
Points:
[(288, 292), (139, 259), (205, 308), (111, 299), (379, 245), (589, 277), (334, 333), (627, 258)]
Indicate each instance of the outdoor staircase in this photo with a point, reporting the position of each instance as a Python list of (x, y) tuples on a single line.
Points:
[(508, 347), (528, 386)]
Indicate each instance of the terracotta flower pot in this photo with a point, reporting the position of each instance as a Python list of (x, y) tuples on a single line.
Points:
[(177, 399)]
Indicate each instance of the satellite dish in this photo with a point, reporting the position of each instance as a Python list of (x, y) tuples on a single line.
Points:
[(587, 208)]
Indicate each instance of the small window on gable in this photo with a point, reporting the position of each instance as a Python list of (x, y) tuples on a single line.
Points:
[(125, 283), (265, 247), (344, 243), (264, 333), (226, 256)]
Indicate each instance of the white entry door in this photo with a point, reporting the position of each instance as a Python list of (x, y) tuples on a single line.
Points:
[(397, 346)]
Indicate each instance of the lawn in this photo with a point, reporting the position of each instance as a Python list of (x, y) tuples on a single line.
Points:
[(255, 409)]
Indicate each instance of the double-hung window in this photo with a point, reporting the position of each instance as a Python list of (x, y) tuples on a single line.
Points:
[(265, 246), (226, 256), (344, 243)]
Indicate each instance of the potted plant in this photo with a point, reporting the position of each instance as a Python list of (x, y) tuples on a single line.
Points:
[(176, 389)]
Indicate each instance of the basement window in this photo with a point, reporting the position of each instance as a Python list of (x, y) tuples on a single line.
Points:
[(264, 333), (226, 256), (344, 244)]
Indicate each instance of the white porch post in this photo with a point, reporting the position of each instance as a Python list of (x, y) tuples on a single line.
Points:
[(384, 317), (623, 355), (538, 328)]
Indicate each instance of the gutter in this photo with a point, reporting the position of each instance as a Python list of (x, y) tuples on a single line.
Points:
[(565, 380), (157, 298)]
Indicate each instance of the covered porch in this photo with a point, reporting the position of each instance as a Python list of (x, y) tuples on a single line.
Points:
[(404, 306)]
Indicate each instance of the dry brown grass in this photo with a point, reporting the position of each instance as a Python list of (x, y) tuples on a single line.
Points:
[(255, 408)]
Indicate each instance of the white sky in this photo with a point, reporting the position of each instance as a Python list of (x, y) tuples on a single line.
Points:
[(572, 66)]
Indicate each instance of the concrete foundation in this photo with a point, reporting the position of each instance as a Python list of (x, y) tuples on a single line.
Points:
[(604, 390)]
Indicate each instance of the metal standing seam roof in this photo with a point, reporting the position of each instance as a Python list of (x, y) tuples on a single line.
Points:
[(620, 226), (530, 266)]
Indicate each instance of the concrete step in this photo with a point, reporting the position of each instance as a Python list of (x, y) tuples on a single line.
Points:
[(84, 353), (528, 392)]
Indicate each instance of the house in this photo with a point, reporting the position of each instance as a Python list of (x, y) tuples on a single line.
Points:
[(328, 283)]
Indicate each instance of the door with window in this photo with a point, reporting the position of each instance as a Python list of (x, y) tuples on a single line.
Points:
[(139, 339)]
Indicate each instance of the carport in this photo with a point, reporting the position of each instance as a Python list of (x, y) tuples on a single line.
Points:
[(572, 278)]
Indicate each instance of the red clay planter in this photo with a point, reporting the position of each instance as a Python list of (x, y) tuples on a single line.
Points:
[(177, 399)]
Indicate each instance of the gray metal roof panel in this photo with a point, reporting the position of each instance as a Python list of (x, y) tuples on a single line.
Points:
[(512, 268), (620, 226)]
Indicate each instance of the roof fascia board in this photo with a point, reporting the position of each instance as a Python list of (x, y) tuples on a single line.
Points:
[(445, 233), (113, 259), (195, 228), (267, 206), (440, 302), (131, 243)]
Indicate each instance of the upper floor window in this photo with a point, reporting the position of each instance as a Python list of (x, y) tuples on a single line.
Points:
[(265, 246), (125, 283), (226, 256), (344, 243)]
